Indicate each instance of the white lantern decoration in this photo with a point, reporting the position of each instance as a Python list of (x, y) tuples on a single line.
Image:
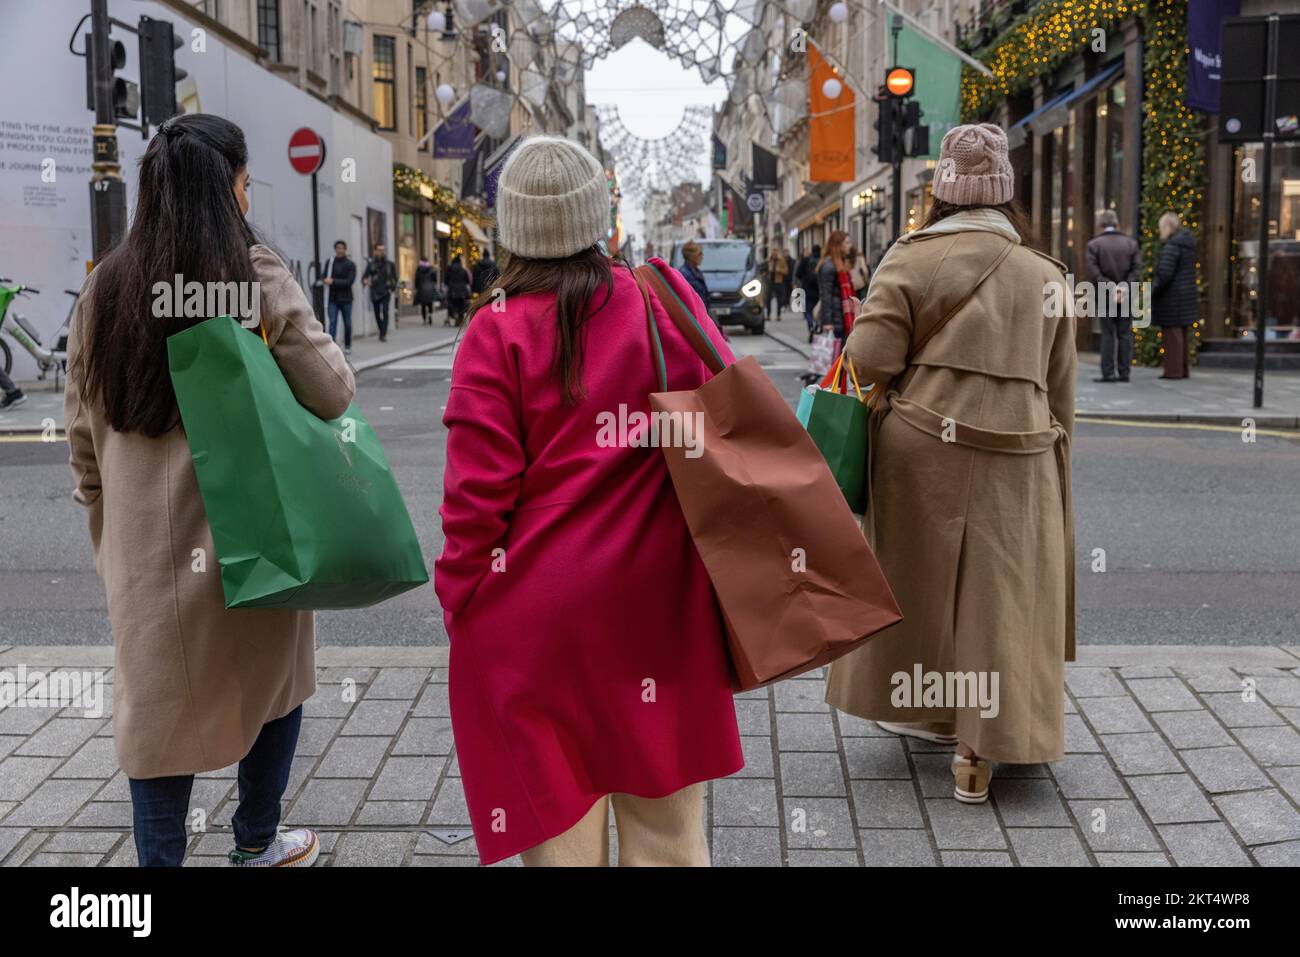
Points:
[(501, 76), (832, 89), (437, 21), (839, 11), (445, 94)]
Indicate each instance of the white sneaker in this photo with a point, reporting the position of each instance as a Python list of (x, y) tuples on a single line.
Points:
[(294, 848), (934, 731)]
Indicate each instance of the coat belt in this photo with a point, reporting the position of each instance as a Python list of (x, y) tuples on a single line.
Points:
[(1015, 443)]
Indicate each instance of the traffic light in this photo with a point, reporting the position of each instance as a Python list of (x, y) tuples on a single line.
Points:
[(885, 148), (899, 81), (126, 95), (158, 72), (915, 134)]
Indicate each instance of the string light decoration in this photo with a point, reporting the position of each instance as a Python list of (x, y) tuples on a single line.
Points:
[(1173, 157), (415, 185), (645, 165)]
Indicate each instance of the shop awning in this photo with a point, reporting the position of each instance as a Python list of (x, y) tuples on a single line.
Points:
[(812, 205), (1056, 111), (475, 233)]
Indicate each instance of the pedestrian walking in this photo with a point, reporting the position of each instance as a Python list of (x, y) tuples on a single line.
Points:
[(777, 273), (340, 274), (426, 289), (1114, 258), (485, 273), (805, 275), (13, 396), (381, 277), (692, 258), (859, 275), (834, 286), (969, 508), (570, 692), (1174, 302), (457, 291), (196, 687)]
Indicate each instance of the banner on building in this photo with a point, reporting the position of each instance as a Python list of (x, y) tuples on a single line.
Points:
[(831, 144), (1203, 56), (764, 164), (938, 84), (453, 138)]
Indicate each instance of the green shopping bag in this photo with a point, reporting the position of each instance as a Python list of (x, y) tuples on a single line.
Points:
[(304, 513), (837, 423)]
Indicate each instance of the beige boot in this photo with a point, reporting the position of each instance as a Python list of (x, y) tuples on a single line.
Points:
[(971, 778), (936, 731)]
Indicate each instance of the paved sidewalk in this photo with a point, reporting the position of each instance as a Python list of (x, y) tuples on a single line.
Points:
[(1210, 396), (1175, 756), (44, 403)]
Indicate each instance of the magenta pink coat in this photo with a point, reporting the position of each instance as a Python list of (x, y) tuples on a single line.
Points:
[(587, 650)]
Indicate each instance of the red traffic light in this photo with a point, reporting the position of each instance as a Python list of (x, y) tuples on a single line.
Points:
[(899, 81)]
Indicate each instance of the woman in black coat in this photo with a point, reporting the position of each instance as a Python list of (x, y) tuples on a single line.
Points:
[(1174, 300), (426, 290), (457, 292)]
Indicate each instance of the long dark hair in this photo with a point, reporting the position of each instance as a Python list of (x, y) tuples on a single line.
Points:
[(576, 280), (1011, 209), (187, 222)]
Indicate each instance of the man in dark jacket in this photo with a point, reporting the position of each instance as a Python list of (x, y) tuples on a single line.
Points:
[(1114, 257), (381, 277), (340, 274), (1174, 301), (457, 292), (805, 274)]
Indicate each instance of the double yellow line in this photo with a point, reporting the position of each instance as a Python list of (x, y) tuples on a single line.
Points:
[(1199, 426)]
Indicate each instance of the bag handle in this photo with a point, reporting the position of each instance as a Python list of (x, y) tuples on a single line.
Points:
[(681, 316), (832, 378), (656, 345)]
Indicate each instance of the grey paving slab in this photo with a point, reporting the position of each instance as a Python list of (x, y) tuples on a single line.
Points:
[(1145, 671), (1029, 802), (1192, 729), (1142, 753), (897, 848), (60, 738), (1280, 691), (390, 813), (42, 859), (1163, 694), (19, 777), (1286, 854), (1172, 799), (97, 758), (104, 814), (53, 804), (805, 732), (1092, 682), (426, 736), (327, 702), (801, 696), (1214, 680), (8, 743), (1139, 859), (958, 826), (1047, 847), (881, 804), (446, 840), (815, 858), (976, 859), (1236, 713), (876, 758), (1273, 746), (1203, 845), (851, 726), (78, 842), (1220, 770), (316, 733), (1113, 826), (818, 823), (353, 757), (746, 847), (1113, 715), (434, 702), (758, 756), (401, 683), (373, 849), (812, 774), (1078, 739), (328, 802), (449, 807), (1289, 780), (1260, 817), (934, 774), (377, 717), (754, 717), (10, 838), (745, 802), (405, 779), (24, 721), (1087, 776)]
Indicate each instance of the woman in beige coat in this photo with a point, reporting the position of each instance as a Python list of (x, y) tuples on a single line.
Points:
[(972, 336), (196, 687)]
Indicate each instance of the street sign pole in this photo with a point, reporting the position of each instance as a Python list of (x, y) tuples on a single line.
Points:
[(307, 156), (1266, 199), (107, 189)]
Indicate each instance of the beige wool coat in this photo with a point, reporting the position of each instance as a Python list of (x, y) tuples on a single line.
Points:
[(969, 510), (193, 682)]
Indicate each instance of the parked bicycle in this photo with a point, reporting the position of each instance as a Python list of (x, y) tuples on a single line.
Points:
[(48, 357)]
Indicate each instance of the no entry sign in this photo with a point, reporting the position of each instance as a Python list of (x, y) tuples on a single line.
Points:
[(306, 151)]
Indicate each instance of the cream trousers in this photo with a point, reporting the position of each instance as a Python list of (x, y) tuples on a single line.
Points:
[(652, 832)]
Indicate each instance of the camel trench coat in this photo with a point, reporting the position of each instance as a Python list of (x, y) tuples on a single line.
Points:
[(193, 681), (969, 509)]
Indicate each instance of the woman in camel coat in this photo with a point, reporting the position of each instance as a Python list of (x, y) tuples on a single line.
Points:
[(196, 687), (969, 510)]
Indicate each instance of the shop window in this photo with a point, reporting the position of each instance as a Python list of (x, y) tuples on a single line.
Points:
[(384, 83), (1283, 319)]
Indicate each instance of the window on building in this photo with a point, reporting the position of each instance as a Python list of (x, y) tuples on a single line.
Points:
[(384, 83), (421, 102), (268, 27)]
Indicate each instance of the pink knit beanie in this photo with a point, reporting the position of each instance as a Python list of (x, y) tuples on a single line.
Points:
[(973, 167)]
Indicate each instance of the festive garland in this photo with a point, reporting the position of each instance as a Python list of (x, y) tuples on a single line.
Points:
[(415, 185), (1173, 157)]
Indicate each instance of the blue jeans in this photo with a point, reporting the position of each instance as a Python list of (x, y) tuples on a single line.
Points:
[(381, 315), (159, 805), (334, 309)]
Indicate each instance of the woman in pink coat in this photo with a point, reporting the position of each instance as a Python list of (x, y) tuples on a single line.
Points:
[(587, 655)]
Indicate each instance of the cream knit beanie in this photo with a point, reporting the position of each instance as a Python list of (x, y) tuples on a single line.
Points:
[(552, 199), (974, 169)]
